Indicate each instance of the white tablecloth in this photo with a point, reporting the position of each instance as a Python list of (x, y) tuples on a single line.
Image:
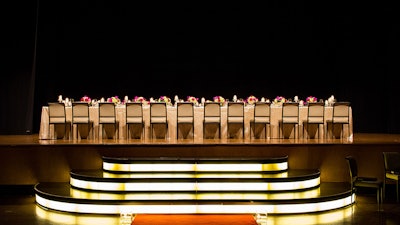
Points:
[(47, 132)]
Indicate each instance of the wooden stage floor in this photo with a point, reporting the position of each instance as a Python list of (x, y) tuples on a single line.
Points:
[(358, 138)]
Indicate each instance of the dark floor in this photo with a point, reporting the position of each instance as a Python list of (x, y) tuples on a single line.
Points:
[(22, 210)]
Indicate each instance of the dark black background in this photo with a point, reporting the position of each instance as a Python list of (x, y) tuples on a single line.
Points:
[(108, 48)]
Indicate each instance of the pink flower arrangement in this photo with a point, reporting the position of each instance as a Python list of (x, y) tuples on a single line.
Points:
[(140, 99), (114, 99), (251, 100), (219, 99), (311, 99), (279, 100), (86, 99), (192, 99), (165, 99)]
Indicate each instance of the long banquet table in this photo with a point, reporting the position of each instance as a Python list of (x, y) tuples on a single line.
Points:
[(47, 131)]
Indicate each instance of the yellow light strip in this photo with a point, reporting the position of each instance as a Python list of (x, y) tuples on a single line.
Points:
[(328, 217), (79, 194), (195, 208), (73, 219), (176, 167), (195, 186)]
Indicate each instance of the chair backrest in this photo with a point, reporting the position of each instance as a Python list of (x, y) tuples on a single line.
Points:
[(107, 112), (212, 112), (134, 112), (290, 112), (341, 112), (57, 112), (158, 112), (80, 112), (316, 111), (235, 112), (391, 161), (262, 112), (353, 168), (185, 112)]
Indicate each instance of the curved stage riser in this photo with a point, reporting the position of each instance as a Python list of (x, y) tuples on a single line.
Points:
[(194, 186)]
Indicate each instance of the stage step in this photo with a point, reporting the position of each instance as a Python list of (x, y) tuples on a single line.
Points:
[(167, 185), (291, 180)]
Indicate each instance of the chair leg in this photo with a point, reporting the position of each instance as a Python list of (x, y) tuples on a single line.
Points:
[(143, 137), (89, 129), (204, 130), (166, 131), (151, 131), (265, 130), (243, 131), (177, 131), (227, 131), (228, 134), (128, 136)]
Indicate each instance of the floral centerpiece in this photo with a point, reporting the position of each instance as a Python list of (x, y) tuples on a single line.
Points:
[(311, 99), (279, 100), (165, 99), (86, 99), (114, 99), (251, 100), (192, 99), (219, 99), (140, 99)]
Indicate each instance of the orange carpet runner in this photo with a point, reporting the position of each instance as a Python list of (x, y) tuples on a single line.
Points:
[(194, 219)]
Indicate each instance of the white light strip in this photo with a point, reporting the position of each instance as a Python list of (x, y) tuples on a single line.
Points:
[(195, 208), (195, 175), (242, 167), (195, 186), (154, 167), (79, 194)]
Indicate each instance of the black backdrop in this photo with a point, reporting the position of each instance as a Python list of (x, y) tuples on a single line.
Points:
[(103, 49)]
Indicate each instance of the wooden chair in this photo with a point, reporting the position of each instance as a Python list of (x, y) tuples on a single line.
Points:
[(107, 119), (80, 117), (134, 117), (212, 116), (185, 116), (391, 161), (358, 182), (235, 116), (158, 116), (262, 116), (315, 116), (57, 120), (340, 117), (290, 116)]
